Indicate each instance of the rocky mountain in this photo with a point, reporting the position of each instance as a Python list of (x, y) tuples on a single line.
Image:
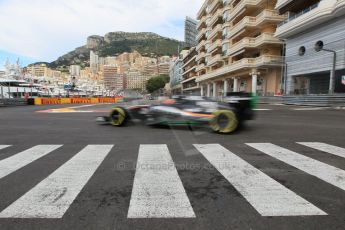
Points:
[(114, 43)]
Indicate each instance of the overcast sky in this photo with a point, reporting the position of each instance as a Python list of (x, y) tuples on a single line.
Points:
[(46, 29)]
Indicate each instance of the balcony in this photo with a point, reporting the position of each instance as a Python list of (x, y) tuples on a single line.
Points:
[(265, 38), (201, 34), (200, 56), (226, 8), (189, 71), (282, 3), (189, 62), (200, 67), (215, 17), (214, 60), (202, 10), (215, 31), (270, 16), (227, 24), (214, 46), (310, 17), (191, 88), (214, 5), (243, 5), (269, 61), (201, 23), (200, 45), (245, 63), (305, 11)]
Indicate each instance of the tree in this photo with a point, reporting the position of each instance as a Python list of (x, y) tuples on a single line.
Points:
[(157, 83)]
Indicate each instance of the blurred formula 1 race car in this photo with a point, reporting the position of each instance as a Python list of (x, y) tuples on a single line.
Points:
[(222, 117)]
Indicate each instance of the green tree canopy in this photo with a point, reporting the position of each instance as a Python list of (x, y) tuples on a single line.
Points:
[(157, 83)]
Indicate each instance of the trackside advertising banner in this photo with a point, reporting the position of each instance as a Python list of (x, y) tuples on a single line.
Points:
[(61, 101)]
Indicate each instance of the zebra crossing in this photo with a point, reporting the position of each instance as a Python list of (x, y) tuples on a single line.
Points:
[(266, 195), (52, 197), (159, 192), (313, 167), (22, 159)]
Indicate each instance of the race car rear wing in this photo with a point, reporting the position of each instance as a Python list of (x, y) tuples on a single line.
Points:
[(244, 103)]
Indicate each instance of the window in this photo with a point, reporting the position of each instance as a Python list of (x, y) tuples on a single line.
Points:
[(301, 51)]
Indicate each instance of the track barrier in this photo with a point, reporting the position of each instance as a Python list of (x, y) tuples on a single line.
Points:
[(62, 101)]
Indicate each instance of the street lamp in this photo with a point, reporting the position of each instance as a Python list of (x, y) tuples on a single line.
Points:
[(318, 47)]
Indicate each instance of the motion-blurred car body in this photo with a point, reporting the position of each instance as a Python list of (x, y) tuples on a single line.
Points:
[(222, 117)]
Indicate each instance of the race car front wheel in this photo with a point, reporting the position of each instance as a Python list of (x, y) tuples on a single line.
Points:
[(224, 121), (118, 116)]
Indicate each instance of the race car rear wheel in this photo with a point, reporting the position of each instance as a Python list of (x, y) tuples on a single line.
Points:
[(118, 116), (224, 121)]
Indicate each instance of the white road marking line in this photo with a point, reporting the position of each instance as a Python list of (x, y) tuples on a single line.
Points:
[(311, 109), (266, 195), (18, 161), (262, 109), (4, 146), (81, 106), (325, 172), (52, 197), (76, 111), (158, 191), (325, 148)]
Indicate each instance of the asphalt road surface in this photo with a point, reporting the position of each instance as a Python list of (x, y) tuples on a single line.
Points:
[(59, 169)]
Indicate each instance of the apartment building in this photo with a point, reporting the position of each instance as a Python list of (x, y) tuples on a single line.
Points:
[(121, 82), (136, 80), (175, 74), (74, 70), (94, 62), (190, 32), (54, 73), (164, 65), (163, 68), (311, 23), (39, 70), (189, 84), (109, 77), (237, 50)]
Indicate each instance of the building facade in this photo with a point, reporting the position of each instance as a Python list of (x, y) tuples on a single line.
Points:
[(120, 82), (313, 22), (74, 70), (237, 50), (190, 32), (189, 84), (175, 74), (109, 77), (94, 62), (136, 80), (39, 70)]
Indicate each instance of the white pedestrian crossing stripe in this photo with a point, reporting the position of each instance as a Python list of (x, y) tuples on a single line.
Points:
[(266, 195), (12, 164), (328, 173), (4, 146), (325, 148), (158, 191), (52, 197)]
